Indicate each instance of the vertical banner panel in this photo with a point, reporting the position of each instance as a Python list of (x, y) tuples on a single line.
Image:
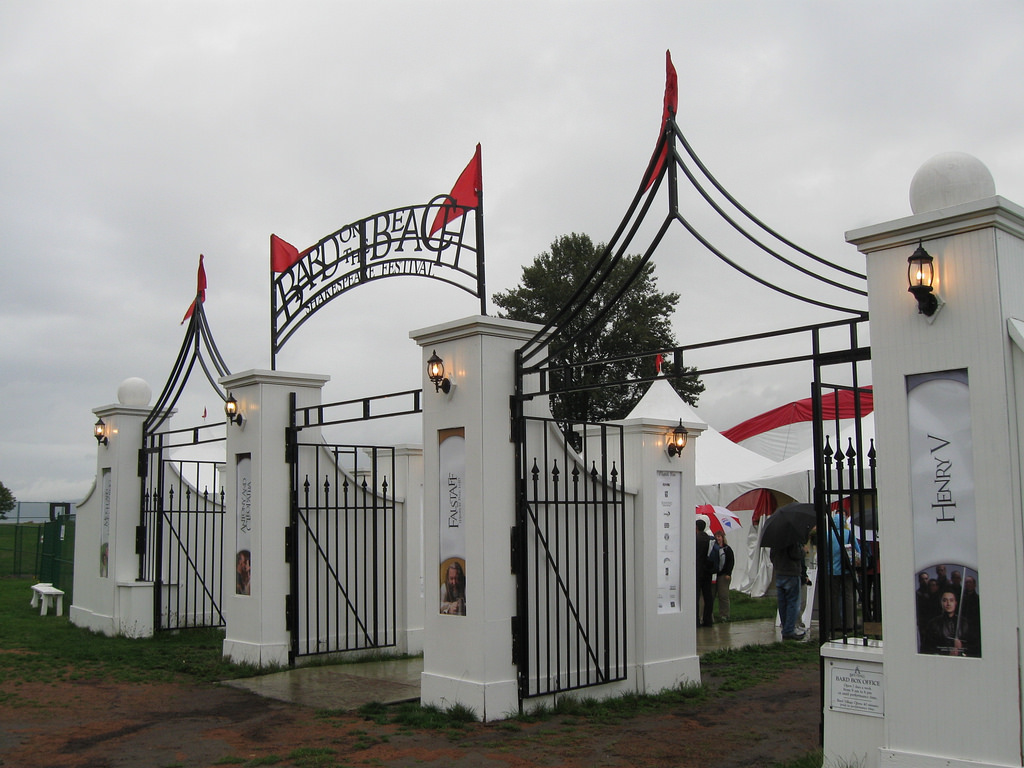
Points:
[(669, 541), (243, 524), (105, 523), (452, 531), (944, 514)]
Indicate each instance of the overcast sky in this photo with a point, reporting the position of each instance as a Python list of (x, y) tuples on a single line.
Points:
[(136, 135)]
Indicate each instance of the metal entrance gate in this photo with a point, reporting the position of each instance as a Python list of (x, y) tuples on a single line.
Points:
[(180, 540), (845, 495), (343, 538), (569, 556)]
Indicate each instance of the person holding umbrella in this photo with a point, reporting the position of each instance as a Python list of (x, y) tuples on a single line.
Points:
[(785, 533)]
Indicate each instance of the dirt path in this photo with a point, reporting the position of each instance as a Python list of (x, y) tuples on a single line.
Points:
[(96, 724)]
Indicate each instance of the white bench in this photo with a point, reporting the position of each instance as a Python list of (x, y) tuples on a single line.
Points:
[(44, 595)]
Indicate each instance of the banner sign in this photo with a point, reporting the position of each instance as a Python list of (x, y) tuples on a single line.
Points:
[(243, 525), (669, 533), (944, 514), (105, 488), (452, 530), (395, 243)]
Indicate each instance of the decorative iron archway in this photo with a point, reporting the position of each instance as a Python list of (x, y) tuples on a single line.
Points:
[(180, 535), (566, 636), (432, 240)]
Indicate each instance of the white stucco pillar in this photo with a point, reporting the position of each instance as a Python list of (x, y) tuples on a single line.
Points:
[(468, 513), (257, 505), (949, 474), (108, 596), (409, 493), (663, 574)]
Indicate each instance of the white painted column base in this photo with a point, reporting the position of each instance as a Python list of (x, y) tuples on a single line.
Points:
[(852, 738), (892, 759), (259, 654), (490, 701), (135, 608), (94, 622), (413, 641), (656, 676)]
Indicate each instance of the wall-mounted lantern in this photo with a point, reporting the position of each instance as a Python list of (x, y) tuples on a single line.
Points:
[(920, 277), (677, 440), (435, 372), (99, 431), (232, 411)]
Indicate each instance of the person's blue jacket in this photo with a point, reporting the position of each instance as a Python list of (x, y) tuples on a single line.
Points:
[(836, 566)]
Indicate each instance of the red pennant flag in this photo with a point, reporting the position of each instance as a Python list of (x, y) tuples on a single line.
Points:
[(283, 255), (200, 291), (465, 193), (671, 105), (657, 363)]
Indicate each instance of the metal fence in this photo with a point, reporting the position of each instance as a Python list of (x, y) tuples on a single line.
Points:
[(43, 551), (570, 559)]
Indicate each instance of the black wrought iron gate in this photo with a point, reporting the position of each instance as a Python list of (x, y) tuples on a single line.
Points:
[(569, 555), (344, 536), (845, 495), (179, 540)]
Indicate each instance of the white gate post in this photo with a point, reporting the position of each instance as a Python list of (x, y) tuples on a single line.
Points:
[(257, 505), (469, 465), (109, 598), (663, 567), (409, 493), (949, 481)]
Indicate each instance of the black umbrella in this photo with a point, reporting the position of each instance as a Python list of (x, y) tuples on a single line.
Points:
[(788, 525)]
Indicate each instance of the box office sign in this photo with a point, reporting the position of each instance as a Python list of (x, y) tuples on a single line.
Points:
[(944, 515), (451, 521)]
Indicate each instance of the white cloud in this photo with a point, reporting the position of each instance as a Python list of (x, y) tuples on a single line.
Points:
[(135, 136)]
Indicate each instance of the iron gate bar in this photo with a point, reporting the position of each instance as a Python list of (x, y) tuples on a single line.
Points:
[(331, 570), (177, 546), (544, 374), (575, 554), (313, 415), (541, 540), (343, 533), (183, 549)]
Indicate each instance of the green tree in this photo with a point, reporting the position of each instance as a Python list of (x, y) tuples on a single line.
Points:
[(7, 501), (639, 323)]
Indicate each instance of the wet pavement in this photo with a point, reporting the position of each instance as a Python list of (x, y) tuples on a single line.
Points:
[(349, 686)]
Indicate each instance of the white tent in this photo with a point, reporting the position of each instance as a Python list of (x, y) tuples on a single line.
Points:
[(725, 471), (719, 461), (793, 477)]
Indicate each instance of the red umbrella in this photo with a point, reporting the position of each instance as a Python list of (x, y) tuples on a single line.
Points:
[(721, 518)]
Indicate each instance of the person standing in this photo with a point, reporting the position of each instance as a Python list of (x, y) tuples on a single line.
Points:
[(705, 592), (790, 576), (844, 559), (726, 562)]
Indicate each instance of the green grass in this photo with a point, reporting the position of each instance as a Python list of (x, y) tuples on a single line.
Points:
[(743, 607), (412, 715), (50, 648), (810, 760), (742, 668)]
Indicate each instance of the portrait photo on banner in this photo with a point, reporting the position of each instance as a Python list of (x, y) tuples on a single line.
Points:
[(944, 515), (451, 528)]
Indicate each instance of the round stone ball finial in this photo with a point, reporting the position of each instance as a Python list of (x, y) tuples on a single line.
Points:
[(949, 179), (135, 392)]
